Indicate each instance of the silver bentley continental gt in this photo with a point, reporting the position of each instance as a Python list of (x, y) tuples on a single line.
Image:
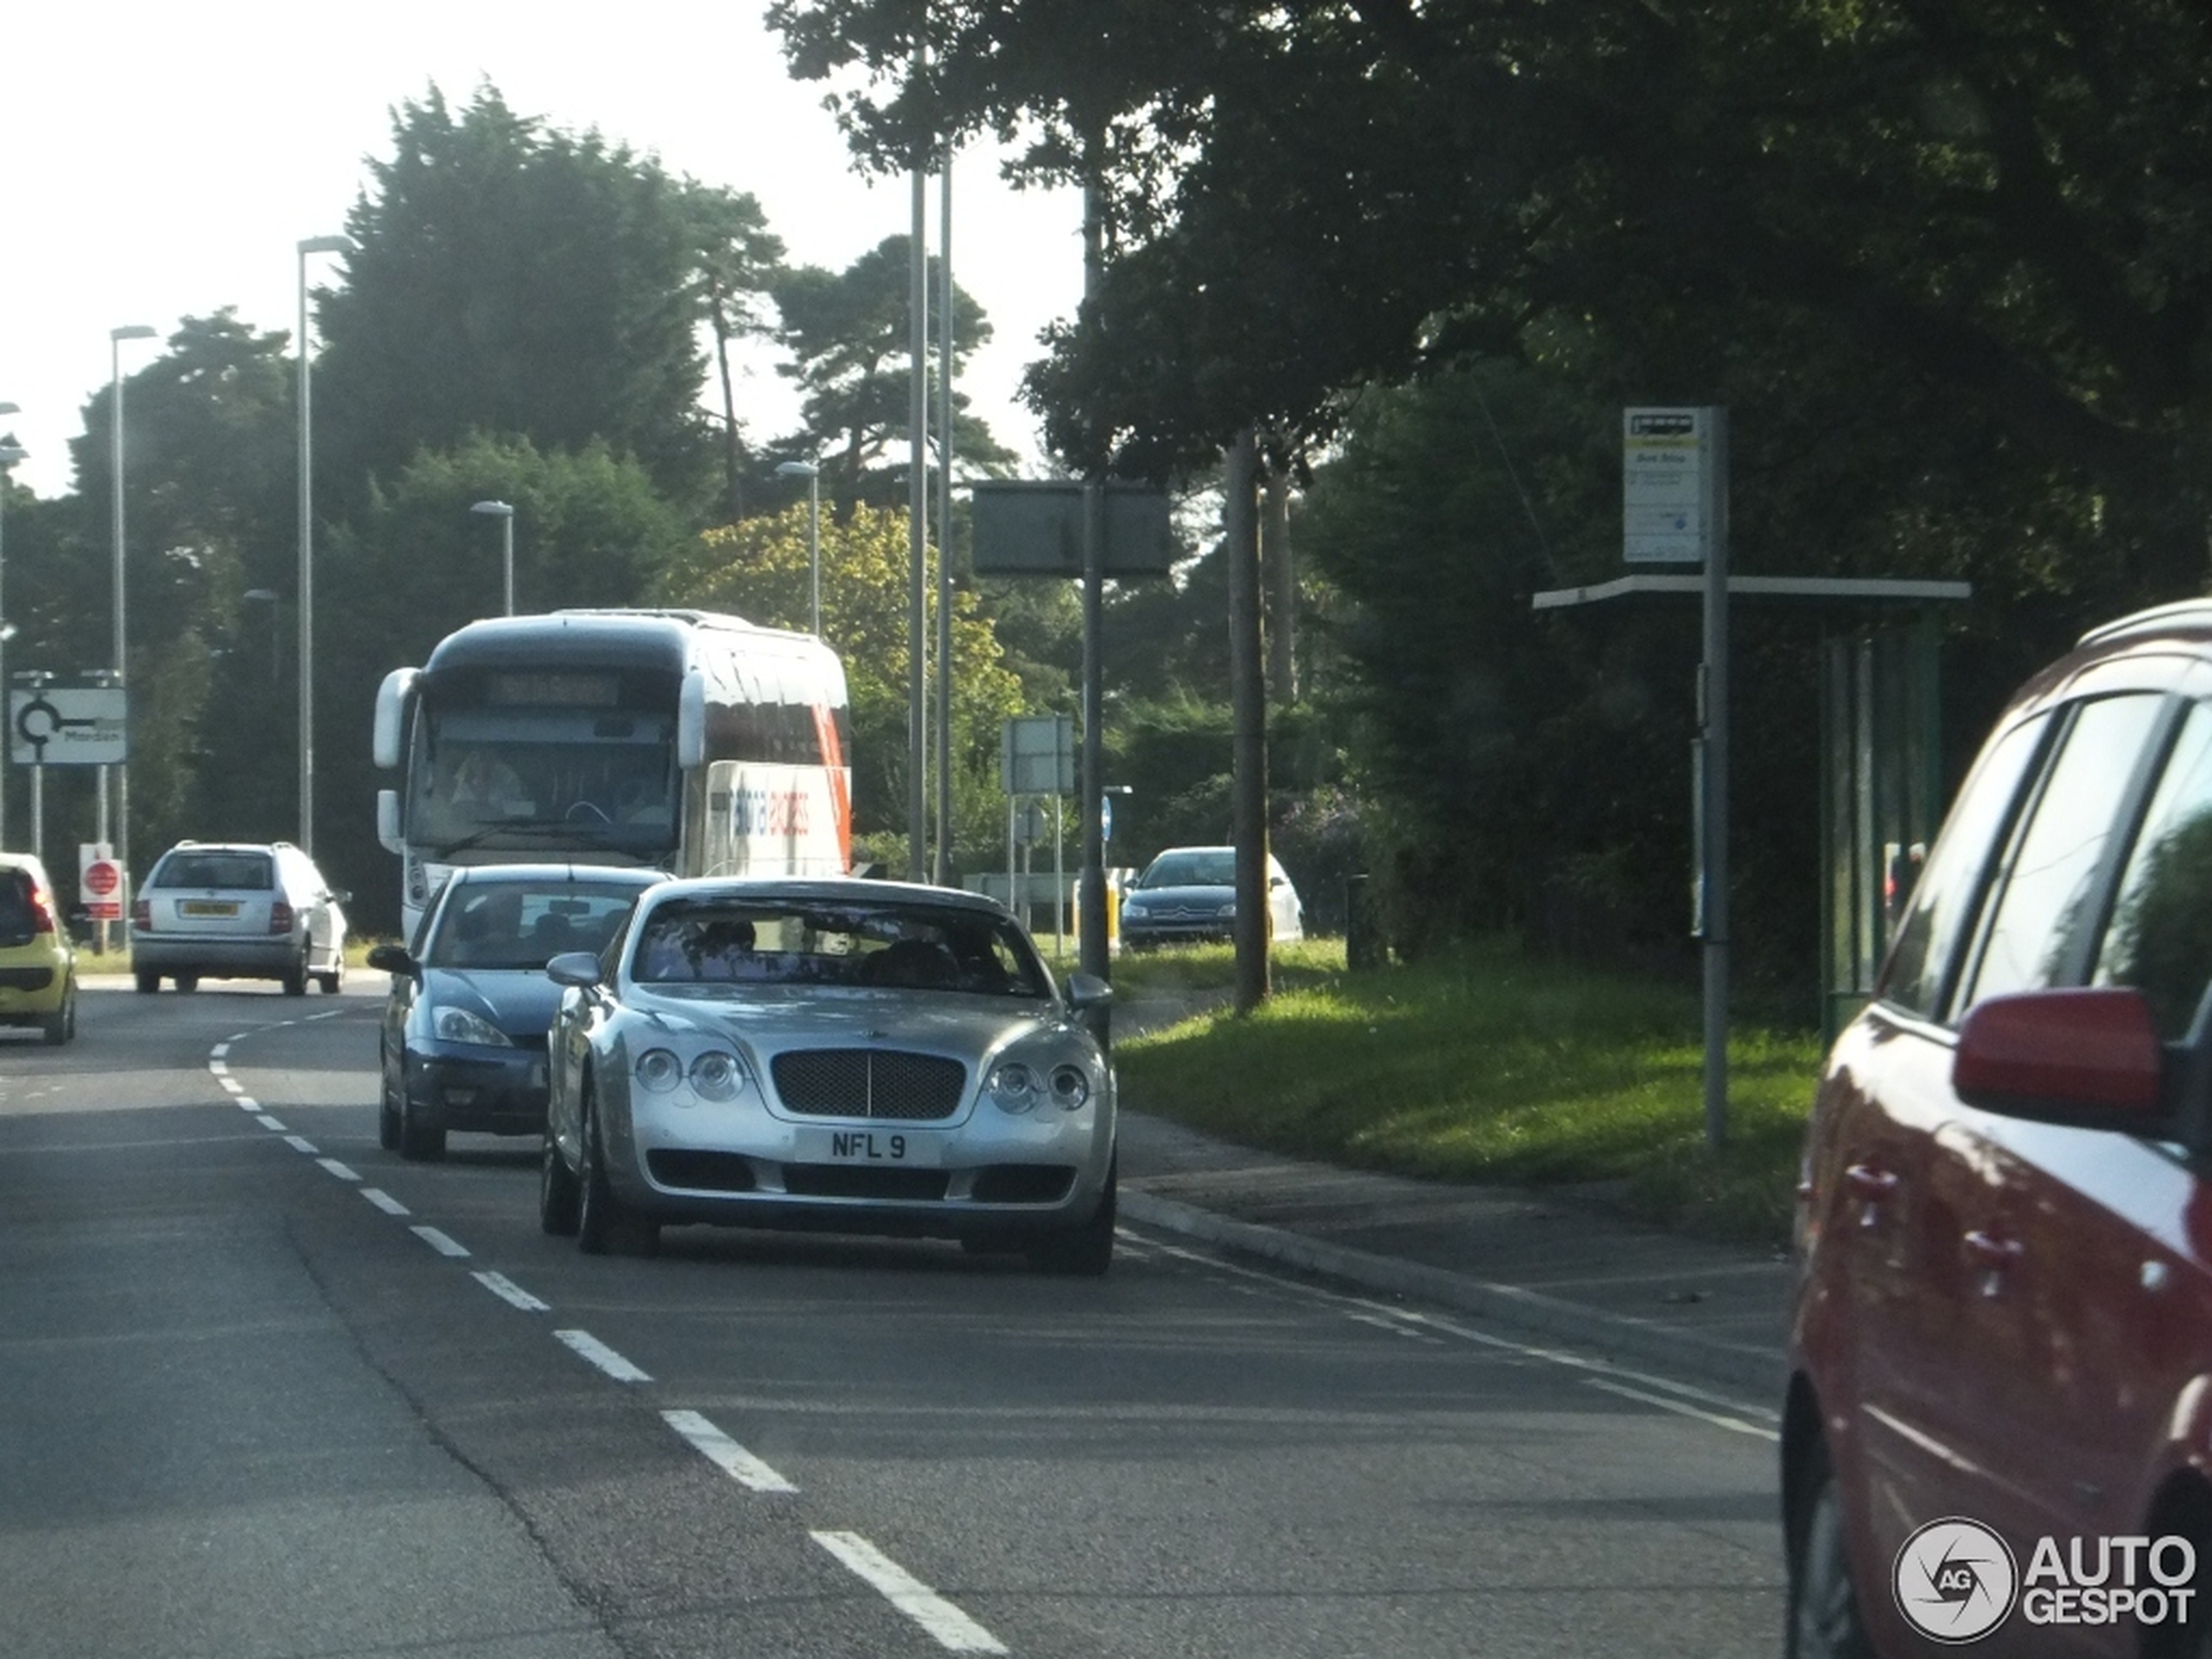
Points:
[(843, 1055)]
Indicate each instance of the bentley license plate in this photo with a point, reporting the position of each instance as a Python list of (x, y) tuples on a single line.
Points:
[(878, 1145)]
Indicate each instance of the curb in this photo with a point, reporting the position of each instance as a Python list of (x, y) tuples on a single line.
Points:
[(1613, 1335)]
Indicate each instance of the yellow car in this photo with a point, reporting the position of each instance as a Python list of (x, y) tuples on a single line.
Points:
[(38, 961)]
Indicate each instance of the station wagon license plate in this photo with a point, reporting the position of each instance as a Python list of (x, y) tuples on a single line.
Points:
[(879, 1145), (207, 907)]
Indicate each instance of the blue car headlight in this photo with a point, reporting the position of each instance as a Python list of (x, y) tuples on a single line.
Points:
[(451, 1024), (1133, 908)]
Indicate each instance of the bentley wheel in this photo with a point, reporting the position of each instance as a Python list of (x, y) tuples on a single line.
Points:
[(598, 1213), (558, 1194), (1084, 1252)]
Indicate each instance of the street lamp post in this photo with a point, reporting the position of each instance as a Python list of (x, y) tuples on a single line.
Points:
[(339, 244), (121, 838), (34, 680), (11, 453), (812, 472), (505, 515)]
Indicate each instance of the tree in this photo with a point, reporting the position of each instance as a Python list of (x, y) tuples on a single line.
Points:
[(1997, 207), (737, 259), (761, 571), (515, 277), (850, 335)]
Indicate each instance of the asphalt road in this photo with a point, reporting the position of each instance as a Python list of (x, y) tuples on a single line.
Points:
[(265, 1389)]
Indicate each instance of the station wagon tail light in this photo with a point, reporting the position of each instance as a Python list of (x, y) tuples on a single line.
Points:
[(279, 917), (142, 915), (1014, 1086)]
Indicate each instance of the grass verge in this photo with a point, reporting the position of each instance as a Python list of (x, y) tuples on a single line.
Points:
[(1487, 1065)]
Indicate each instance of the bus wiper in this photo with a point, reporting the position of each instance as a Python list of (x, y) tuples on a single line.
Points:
[(535, 827)]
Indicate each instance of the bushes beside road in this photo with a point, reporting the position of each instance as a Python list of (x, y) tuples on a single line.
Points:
[(1483, 1065)]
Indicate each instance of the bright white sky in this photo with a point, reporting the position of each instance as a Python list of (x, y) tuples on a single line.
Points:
[(164, 158)]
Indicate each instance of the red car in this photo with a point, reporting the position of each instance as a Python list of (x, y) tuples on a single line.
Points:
[(1997, 1431)]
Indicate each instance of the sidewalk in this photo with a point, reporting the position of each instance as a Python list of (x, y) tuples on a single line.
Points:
[(1545, 1265)]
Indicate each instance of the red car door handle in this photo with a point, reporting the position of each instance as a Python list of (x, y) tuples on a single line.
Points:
[(1870, 1182), (1991, 1250)]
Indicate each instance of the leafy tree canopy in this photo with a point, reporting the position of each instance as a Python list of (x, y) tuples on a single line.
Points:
[(849, 333), (515, 278), (2004, 205)]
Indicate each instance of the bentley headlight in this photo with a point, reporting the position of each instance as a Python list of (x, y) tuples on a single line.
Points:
[(657, 1070), (1070, 1088), (1014, 1086), (717, 1075), (452, 1024)]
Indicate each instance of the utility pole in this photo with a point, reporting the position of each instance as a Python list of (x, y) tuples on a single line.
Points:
[(1248, 716)]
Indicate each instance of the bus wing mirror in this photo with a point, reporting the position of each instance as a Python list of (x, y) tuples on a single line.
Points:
[(690, 722), (393, 698), (388, 822)]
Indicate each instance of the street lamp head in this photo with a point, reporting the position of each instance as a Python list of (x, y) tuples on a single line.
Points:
[(11, 453), (262, 596), (340, 243), (11, 408), (494, 509), (797, 469), (131, 331)]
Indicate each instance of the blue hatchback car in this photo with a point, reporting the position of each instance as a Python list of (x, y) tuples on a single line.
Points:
[(462, 1043)]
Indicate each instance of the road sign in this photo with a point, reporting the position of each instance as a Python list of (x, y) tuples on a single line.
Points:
[(99, 879), (1037, 755), (1034, 527), (56, 726), (1669, 488)]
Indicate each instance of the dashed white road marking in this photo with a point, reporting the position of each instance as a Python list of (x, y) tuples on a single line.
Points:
[(590, 1349), (230, 1083), (385, 1201), (269, 1123), (337, 1169), (725, 1453), (300, 1144), (443, 1243), (510, 1293), (1683, 1408), (951, 1629)]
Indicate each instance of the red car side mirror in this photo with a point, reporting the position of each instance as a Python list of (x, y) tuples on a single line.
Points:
[(2090, 1057)]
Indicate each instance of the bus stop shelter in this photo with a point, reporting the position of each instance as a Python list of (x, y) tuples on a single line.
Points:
[(1881, 763)]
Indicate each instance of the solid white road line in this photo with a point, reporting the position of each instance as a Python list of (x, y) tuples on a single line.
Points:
[(510, 1293), (725, 1453), (440, 1241), (952, 1628), (385, 1201), (589, 1348)]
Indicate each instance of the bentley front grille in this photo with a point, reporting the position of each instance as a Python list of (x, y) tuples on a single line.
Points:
[(869, 1083)]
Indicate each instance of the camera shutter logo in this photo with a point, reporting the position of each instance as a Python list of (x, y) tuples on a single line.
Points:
[(1955, 1581)]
